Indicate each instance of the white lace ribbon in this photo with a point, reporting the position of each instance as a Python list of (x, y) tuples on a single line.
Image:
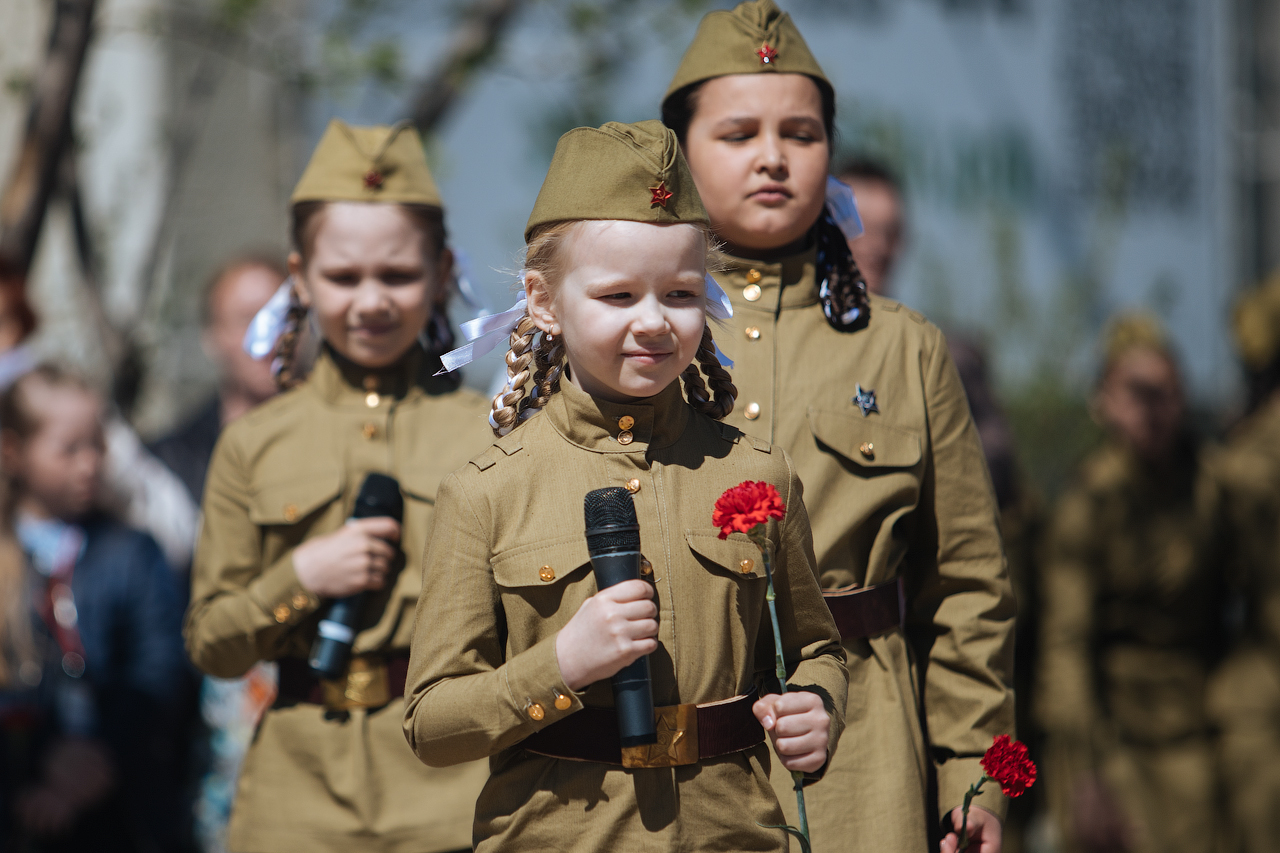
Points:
[(483, 334), (843, 208), (268, 324)]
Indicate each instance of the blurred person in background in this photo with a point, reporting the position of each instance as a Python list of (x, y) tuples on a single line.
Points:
[(878, 193), (1132, 619), (92, 650), (1244, 694), (229, 708)]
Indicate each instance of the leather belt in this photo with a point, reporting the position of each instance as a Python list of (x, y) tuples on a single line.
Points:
[(687, 734), (371, 682), (869, 610)]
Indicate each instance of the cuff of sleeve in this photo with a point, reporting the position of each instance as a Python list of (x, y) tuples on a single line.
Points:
[(279, 592), (536, 689), (954, 779)]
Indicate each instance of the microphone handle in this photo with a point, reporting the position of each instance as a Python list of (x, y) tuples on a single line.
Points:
[(632, 686), (332, 647)]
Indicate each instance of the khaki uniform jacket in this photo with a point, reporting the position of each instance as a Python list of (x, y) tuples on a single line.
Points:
[(1131, 622), (507, 567), (288, 471), (917, 504)]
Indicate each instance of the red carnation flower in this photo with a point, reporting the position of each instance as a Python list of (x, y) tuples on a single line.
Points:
[(1006, 762), (745, 506)]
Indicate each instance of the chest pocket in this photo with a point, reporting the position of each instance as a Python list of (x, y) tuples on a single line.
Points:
[(542, 585), (542, 565), (737, 556), (866, 442), (295, 500)]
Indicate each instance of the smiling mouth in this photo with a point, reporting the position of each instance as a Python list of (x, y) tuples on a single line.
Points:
[(646, 357), (373, 331)]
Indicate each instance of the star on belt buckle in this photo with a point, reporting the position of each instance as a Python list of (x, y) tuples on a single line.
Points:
[(366, 686), (677, 740)]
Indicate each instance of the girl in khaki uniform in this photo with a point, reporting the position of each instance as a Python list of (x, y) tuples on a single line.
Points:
[(514, 647), (328, 769), (863, 395)]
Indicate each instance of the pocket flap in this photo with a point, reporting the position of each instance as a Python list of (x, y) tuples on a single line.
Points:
[(737, 555), (865, 441), (544, 563), (293, 500)]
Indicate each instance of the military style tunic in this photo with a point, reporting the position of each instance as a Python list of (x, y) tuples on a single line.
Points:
[(508, 567), (288, 471), (1132, 608), (901, 490)]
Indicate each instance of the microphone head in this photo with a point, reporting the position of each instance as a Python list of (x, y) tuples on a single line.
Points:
[(379, 498), (612, 526)]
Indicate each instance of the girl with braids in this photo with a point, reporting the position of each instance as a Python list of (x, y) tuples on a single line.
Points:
[(862, 394), (328, 769), (514, 647)]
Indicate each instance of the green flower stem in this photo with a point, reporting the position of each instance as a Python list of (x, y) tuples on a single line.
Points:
[(974, 790), (797, 777)]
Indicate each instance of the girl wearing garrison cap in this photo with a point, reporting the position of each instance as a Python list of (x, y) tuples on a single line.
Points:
[(328, 769), (514, 646), (863, 395)]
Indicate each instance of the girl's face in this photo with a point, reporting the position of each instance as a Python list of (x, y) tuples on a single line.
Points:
[(371, 280), (631, 305), (759, 154), (59, 466)]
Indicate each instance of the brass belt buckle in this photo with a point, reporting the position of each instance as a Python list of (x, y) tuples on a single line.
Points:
[(677, 740), (365, 686)]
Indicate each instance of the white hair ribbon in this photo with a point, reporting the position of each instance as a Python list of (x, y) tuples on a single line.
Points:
[(843, 208), (718, 305), (268, 324), (483, 334)]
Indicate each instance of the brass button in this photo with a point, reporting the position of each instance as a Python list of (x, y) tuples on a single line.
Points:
[(867, 449), (625, 438), (282, 613), (562, 701), (290, 512), (369, 431), (753, 411), (633, 485), (753, 276), (753, 333), (646, 568), (300, 600), (626, 422), (751, 292), (535, 711), (372, 399), (747, 565), (547, 573)]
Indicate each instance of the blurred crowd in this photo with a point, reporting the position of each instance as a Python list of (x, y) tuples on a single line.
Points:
[(1148, 656)]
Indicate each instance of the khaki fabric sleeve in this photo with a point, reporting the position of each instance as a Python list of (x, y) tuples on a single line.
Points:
[(463, 699), (241, 612), (811, 647), (962, 604)]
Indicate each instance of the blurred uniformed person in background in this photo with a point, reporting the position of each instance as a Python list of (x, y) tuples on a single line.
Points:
[(864, 396), (1244, 696), (1131, 619), (328, 769)]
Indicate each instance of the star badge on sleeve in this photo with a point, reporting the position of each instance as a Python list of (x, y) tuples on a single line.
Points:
[(767, 54), (865, 400), (373, 179), (660, 195)]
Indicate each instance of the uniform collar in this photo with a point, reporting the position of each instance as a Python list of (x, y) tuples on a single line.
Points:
[(789, 282), (339, 380), (604, 427)]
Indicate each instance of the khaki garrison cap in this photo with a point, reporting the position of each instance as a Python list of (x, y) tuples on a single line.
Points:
[(618, 171), (1135, 330), (1256, 323), (383, 164), (756, 37)]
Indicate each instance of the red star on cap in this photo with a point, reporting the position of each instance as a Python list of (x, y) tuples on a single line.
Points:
[(660, 195), (373, 179), (766, 54)]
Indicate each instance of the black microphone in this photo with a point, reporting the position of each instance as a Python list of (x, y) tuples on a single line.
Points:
[(379, 498), (613, 542)]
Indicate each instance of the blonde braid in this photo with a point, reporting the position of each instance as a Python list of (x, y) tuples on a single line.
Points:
[(722, 385), (506, 405), (287, 347), (549, 357)]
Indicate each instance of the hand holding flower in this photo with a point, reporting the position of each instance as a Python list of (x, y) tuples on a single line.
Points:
[(799, 725), (1006, 763)]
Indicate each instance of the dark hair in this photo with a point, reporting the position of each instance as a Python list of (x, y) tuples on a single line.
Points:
[(304, 223), (865, 168), (258, 259), (13, 287), (680, 105)]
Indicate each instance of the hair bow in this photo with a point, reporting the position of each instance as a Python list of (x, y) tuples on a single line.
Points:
[(843, 208)]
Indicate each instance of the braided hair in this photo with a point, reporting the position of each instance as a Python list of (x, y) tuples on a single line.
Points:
[(841, 287)]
